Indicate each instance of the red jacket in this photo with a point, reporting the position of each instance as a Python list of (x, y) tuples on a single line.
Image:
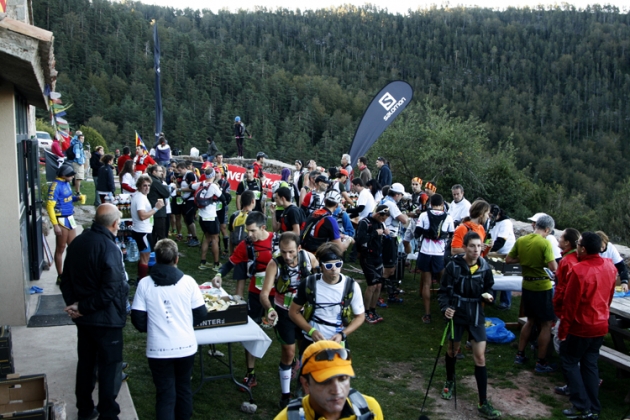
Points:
[(121, 162), (562, 276), (587, 298)]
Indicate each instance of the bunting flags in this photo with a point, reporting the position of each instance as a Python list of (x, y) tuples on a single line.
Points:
[(60, 124), (158, 92), (140, 143)]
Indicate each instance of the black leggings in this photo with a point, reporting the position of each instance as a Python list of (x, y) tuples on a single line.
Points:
[(239, 145)]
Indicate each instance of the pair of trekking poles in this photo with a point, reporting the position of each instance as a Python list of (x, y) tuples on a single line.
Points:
[(449, 326)]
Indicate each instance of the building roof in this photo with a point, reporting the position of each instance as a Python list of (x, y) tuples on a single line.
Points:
[(28, 61)]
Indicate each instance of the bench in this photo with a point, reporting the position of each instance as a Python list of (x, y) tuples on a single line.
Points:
[(620, 360)]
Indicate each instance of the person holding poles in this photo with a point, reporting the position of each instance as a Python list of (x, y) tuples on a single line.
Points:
[(465, 285)]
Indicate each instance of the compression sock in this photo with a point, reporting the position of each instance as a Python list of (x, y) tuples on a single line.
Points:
[(450, 367), (225, 244), (285, 378), (143, 270), (481, 375)]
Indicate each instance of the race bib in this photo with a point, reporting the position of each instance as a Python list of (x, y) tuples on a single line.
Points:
[(257, 195), (72, 222), (260, 280)]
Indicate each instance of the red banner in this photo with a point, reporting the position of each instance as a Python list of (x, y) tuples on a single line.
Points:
[(236, 174)]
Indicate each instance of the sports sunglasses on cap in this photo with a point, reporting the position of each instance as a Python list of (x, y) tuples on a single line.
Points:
[(329, 354)]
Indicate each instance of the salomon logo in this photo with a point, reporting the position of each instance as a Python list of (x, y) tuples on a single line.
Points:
[(387, 101)]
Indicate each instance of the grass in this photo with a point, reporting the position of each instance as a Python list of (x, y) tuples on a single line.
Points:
[(392, 360)]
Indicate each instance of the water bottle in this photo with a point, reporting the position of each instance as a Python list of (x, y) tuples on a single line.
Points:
[(133, 255), (301, 414), (123, 248)]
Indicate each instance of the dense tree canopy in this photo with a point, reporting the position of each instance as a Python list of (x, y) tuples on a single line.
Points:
[(550, 88)]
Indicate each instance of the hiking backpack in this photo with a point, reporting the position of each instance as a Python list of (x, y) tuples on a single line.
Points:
[(201, 199), (70, 155), (238, 233), (346, 300), (312, 242), (284, 280)]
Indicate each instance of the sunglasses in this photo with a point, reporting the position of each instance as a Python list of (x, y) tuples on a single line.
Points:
[(384, 211), (328, 355), (329, 266)]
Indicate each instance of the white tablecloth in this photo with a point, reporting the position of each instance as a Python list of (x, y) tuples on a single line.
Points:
[(514, 283), (250, 335)]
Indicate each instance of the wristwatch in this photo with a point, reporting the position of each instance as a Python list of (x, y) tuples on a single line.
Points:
[(343, 336)]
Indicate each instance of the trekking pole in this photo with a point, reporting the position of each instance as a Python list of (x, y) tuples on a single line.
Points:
[(454, 355), (435, 365)]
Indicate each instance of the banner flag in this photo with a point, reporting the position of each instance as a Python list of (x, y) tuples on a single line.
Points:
[(158, 92), (384, 108), (140, 143)]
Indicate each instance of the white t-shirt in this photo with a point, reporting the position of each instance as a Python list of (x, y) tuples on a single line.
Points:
[(557, 253), (328, 308), (434, 246), (129, 180), (378, 197), (612, 253), (460, 210), (504, 229), (140, 201), (208, 213), (366, 199), (391, 223), (169, 313)]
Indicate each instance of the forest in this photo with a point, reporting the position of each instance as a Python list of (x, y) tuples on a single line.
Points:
[(545, 91)]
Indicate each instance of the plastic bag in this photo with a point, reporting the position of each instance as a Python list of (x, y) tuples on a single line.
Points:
[(496, 331), (194, 152)]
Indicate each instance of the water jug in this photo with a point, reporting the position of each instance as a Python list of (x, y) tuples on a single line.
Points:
[(133, 255)]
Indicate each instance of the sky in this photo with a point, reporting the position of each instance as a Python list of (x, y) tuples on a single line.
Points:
[(399, 6)]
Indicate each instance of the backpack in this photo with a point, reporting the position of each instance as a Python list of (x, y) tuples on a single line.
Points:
[(251, 252), (284, 281), (435, 231), (200, 198), (358, 402), (310, 305), (70, 155), (447, 247), (226, 197), (245, 187), (237, 233), (312, 242), (315, 204)]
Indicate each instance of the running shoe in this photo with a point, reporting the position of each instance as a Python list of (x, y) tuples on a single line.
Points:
[(217, 267), (488, 411), (562, 390), (394, 299), (381, 303), (546, 368), (192, 242), (179, 237), (205, 266), (520, 360), (447, 391), (426, 319), (377, 317), (249, 381), (574, 413), (370, 318)]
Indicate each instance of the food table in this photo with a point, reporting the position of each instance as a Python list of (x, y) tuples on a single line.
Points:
[(250, 335), (507, 283), (618, 321)]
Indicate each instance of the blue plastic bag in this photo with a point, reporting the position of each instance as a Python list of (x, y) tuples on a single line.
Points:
[(496, 331)]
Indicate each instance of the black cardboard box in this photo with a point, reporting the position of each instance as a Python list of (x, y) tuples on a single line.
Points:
[(24, 397), (233, 315)]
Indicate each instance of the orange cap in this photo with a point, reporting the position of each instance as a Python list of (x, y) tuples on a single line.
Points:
[(322, 370), (417, 180), (431, 186)]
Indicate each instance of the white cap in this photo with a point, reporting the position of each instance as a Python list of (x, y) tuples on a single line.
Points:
[(397, 187), (333, 196), (537, 216)]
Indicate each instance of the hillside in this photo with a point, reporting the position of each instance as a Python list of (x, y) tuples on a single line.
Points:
[(553, 83)]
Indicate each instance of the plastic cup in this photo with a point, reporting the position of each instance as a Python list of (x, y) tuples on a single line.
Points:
[(83, 197)]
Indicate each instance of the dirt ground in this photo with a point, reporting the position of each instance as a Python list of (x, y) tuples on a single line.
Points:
[(517, 402)]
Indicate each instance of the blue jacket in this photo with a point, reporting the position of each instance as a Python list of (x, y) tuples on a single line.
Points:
[(344, 222), (77, 146), (384, 176)]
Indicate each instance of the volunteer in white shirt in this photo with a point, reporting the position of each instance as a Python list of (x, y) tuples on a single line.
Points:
[(167, 305), (142, 216), (459, 207)]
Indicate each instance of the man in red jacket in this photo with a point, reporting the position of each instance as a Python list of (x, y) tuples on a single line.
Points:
[(584, 323)]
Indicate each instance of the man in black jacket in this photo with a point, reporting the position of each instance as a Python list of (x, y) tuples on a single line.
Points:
[(94, 286), (466, 283), (158, 190)]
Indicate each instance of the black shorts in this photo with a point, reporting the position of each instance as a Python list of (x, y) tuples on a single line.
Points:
[(390, 251), (222, 216), (177, 208), (538, 305), (286, 331), (144, 240), (210, 227), (373, 274), (477, 333), (430, 263), (190, 210), (254, 307)]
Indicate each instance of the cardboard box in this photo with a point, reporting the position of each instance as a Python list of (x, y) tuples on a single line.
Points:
[(512, 270), (233, 315), (24, 397), (6, 369)]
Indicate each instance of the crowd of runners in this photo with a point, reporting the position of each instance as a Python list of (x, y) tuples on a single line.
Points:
[(324, 218)]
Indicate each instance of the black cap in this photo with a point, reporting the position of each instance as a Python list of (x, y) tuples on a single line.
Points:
[(322, 178)]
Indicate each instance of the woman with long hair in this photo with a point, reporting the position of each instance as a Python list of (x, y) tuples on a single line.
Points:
[(105, 183), (126, 178)]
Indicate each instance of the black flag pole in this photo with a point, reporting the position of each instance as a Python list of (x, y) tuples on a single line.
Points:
[(158, 91), (384, 108)]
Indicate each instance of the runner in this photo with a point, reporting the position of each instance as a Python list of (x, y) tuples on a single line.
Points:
[(314, 199), (223, 206), (291, 218), (186, 202), (284, 274), (61, 213), (467, 283), (370, 233), (250, 183), (251, 258), (207, 197), (322, 227)]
